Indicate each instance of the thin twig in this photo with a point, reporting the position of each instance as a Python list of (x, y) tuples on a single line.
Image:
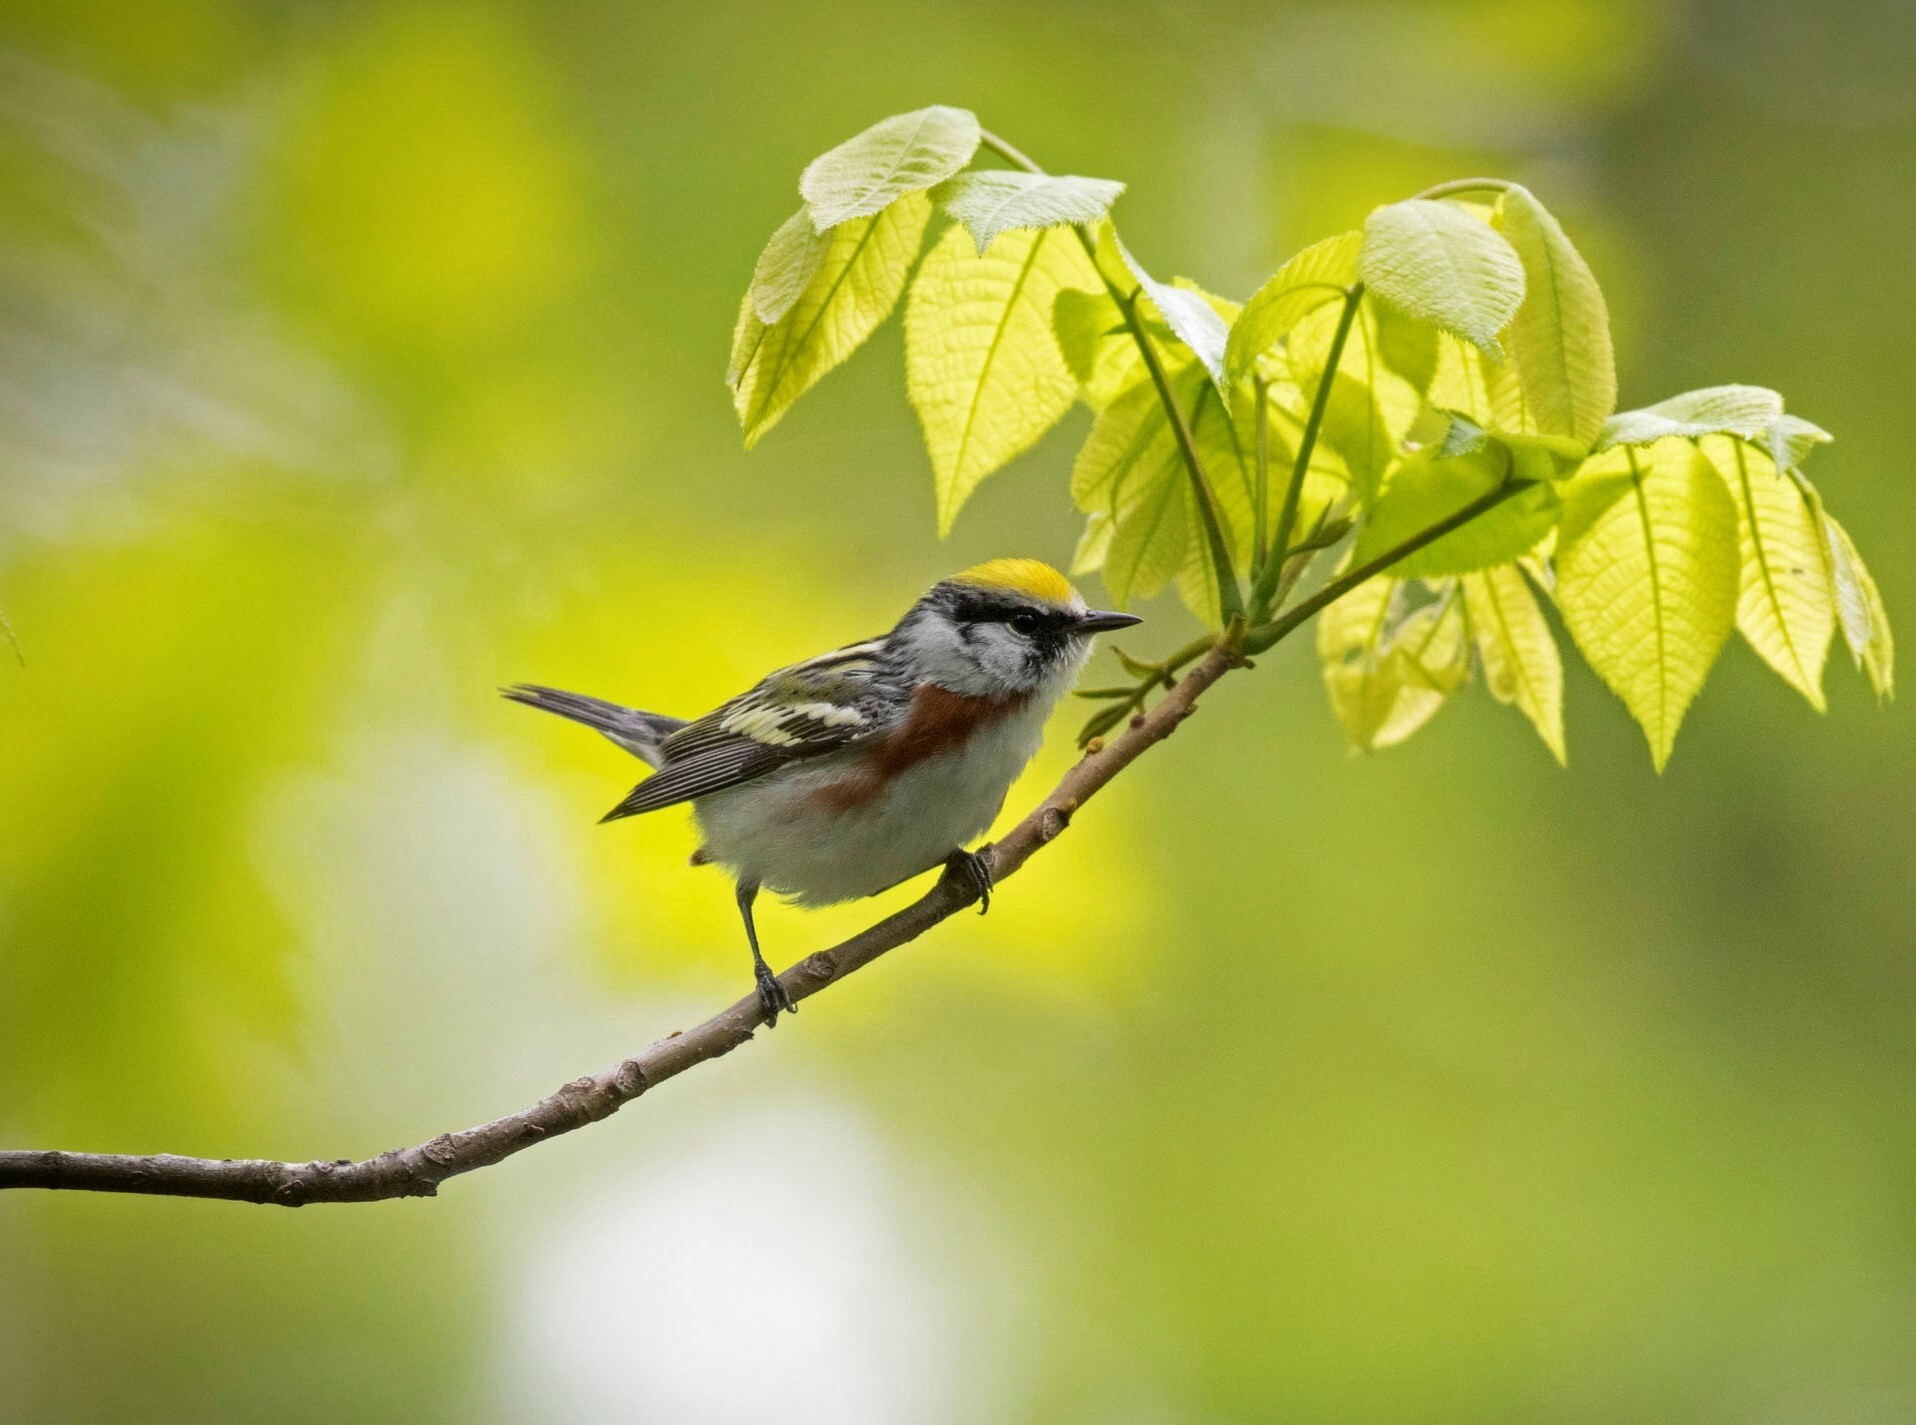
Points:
[(419, 1170)]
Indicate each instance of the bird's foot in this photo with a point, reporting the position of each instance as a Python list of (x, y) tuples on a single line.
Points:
[(973, 869), (773, 997)]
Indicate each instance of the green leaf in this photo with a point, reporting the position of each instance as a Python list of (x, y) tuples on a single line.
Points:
[(1425, 489), (1001, 200), (1130, 478), (1189, 313), (1094, 543), (854, 289), (1519, 652), (1469, 383), (896, 156), (1320, 274), (1791, 439), (1097, 345), (1388, 672), (1560, 337), (1436, 261), (1226, 440), (786, 267), (1864, 616), (1746, 411), (1647, 578), (1153, 539), (1373, 405), (982, 367), (13, 640), (1786, 606)]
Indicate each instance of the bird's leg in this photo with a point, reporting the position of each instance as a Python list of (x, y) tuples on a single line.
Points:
[(974, 869), (772, 996)]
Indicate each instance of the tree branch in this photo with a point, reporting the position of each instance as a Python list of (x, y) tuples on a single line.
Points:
[(418, 1171)]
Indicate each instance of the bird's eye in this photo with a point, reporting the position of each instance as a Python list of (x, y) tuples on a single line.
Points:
[(1024, 623)]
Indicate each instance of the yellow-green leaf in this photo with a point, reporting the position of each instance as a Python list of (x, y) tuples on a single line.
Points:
[(982, 366), (1519, 652), (854, 289), (1003, 199), (1438, 262), (1425, 489), (1189, 312), (1469, 383), (786, 267), (1320, 274), (1791, 439), (1372, 405), (1647, 578), (1560, 337), (1131, 474), (1388, 672), (1226, 440), (1865, 618), (1096, 344), (900, 155), (1153, 539), (1747, 411), (1786, 607)]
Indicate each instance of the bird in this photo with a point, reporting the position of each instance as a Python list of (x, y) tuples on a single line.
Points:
[(846, 774)]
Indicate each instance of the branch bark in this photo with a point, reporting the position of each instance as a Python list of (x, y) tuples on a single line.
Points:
[(418, 1171)]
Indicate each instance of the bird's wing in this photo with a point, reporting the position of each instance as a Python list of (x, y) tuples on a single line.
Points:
[(823, 705)]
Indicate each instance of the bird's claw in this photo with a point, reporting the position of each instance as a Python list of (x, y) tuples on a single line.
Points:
[(773, 997), (974, 870)]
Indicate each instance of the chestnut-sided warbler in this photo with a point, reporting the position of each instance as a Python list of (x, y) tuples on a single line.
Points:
[(841, 776)]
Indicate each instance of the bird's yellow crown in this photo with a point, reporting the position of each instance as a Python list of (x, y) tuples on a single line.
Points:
[(1031, 577)]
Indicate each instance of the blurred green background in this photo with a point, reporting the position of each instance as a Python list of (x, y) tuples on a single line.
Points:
[(357, 358)]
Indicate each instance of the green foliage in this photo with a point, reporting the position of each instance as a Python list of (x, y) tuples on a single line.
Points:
[(995, 202), (1647, 578), (1425, 488), (1865, 620), (1189, 313), (1748, 412), (1128, 475), (1388, 667), (1439, 387), (1318, 276), (1097, 346), (1438, 263), (1560, 336), (982, 367), (787, 266), (1784, 608), (853, 287), (903, 154), (1518, 650)]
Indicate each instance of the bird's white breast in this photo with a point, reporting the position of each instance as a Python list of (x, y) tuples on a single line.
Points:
[(780, 830)]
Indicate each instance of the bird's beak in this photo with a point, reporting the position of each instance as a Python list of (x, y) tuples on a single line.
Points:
[(1102, 622)]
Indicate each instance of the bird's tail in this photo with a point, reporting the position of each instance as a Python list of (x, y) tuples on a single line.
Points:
[(639, 733)]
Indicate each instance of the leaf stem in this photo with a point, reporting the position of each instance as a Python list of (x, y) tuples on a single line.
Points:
[(1014, 157), (1265, 588), (1457, 186), (1260, 536), (1265, 635), (1230, 594), (1151, 675)]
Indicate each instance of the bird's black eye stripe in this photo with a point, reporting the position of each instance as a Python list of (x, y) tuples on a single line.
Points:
[(1022, 618)]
